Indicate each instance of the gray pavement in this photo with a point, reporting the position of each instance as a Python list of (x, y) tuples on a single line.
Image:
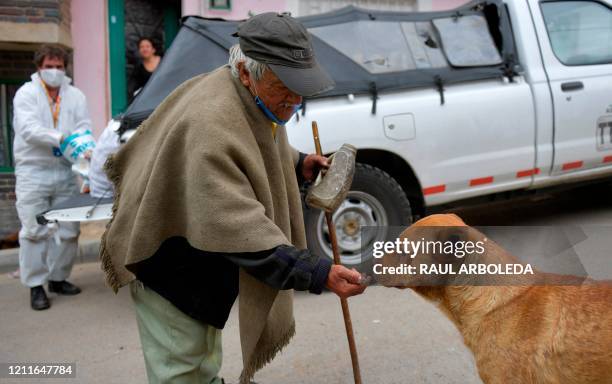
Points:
[(401, 338), (88, 252)]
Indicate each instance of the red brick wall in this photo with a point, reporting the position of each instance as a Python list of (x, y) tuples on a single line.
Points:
[(35, 11)]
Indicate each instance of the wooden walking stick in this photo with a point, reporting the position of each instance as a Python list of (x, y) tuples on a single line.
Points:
[(343, 302)]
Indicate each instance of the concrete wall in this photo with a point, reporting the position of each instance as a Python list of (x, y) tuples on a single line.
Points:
[(35, 22)]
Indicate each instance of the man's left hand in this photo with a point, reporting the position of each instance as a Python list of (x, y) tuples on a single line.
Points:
[(312, 164)]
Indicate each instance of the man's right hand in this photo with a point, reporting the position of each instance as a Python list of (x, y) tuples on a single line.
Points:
[(344, 282)]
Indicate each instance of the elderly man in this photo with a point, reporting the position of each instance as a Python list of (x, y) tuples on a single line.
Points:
[(46, 111), (207, 208)]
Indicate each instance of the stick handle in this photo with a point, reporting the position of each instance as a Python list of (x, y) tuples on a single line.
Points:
[(315, 136)]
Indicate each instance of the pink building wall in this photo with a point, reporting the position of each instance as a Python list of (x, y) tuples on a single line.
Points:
[(91, 70), (240, 9), (191, 7), (440, 5)]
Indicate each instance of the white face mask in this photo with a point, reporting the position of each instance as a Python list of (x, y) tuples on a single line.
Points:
[(52, 77)]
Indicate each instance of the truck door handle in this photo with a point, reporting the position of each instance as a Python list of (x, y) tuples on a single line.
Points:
[(572, 86)]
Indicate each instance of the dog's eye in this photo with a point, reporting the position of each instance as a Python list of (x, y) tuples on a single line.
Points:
[(454, 238)]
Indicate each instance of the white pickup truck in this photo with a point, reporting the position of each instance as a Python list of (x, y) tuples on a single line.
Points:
[(550, 124), (492, 97)]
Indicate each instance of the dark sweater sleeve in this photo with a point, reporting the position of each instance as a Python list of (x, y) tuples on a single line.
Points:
[(298, 168), (285, 267)]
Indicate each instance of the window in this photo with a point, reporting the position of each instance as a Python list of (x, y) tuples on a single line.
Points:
[(7, 92), (389, 46), (467, 42), (580, 32), (220, 4), (424, 46), (384, 47)]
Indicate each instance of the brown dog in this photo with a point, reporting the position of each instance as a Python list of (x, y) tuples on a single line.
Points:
[(524, 334)]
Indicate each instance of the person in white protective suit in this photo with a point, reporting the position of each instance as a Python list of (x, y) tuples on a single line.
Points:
[(107, 144), (47, 110)]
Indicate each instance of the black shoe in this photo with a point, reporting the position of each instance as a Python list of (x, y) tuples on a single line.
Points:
[(63, 288), (38, 298)]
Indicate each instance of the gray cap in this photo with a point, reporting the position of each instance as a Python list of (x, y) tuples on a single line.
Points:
[(282, 42)]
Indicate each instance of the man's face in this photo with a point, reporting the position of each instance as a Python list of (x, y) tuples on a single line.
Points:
[(272, 92), (52, 63)]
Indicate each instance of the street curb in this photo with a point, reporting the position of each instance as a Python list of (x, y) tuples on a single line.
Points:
[(89, 251)]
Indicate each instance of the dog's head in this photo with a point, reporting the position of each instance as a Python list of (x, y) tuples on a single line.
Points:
[(437, 242), (447, 244)]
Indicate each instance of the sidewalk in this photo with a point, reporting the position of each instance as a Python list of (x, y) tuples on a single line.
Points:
[(400, 337)]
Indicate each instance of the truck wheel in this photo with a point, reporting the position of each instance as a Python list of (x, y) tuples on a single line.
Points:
[(374, 200)]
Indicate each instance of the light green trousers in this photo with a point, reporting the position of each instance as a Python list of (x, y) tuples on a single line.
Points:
[(177, 348)]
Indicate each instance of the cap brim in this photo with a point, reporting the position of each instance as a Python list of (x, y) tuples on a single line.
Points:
[(304, 81)]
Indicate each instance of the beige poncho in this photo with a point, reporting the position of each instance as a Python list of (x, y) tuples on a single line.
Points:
[(205, 166)]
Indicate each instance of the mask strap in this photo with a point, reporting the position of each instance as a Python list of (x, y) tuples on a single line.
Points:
[(269, 114), (54, 111)]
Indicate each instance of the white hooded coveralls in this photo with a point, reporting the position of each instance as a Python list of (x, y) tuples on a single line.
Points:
[(107, 144), (44, 179)]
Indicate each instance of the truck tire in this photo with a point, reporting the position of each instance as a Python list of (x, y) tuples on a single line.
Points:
[(374, 200)]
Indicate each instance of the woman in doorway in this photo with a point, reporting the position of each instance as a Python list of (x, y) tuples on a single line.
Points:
[(149, 62)]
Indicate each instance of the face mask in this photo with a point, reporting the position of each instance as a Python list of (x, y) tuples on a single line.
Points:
[(269, 114), (52, 77)]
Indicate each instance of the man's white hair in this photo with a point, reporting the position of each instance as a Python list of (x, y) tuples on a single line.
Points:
[(254, 67)]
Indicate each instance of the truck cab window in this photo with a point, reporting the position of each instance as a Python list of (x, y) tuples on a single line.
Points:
[(580, 32), (378, 47), (467, 42)]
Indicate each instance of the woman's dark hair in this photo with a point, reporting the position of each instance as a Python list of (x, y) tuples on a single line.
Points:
[(150, 40), (51, 51)]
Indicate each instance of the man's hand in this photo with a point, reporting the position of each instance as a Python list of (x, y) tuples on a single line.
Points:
[(313, 163), (344, 282)]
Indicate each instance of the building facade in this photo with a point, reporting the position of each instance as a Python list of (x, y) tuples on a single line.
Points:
[(24, 25), (102, 35)]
